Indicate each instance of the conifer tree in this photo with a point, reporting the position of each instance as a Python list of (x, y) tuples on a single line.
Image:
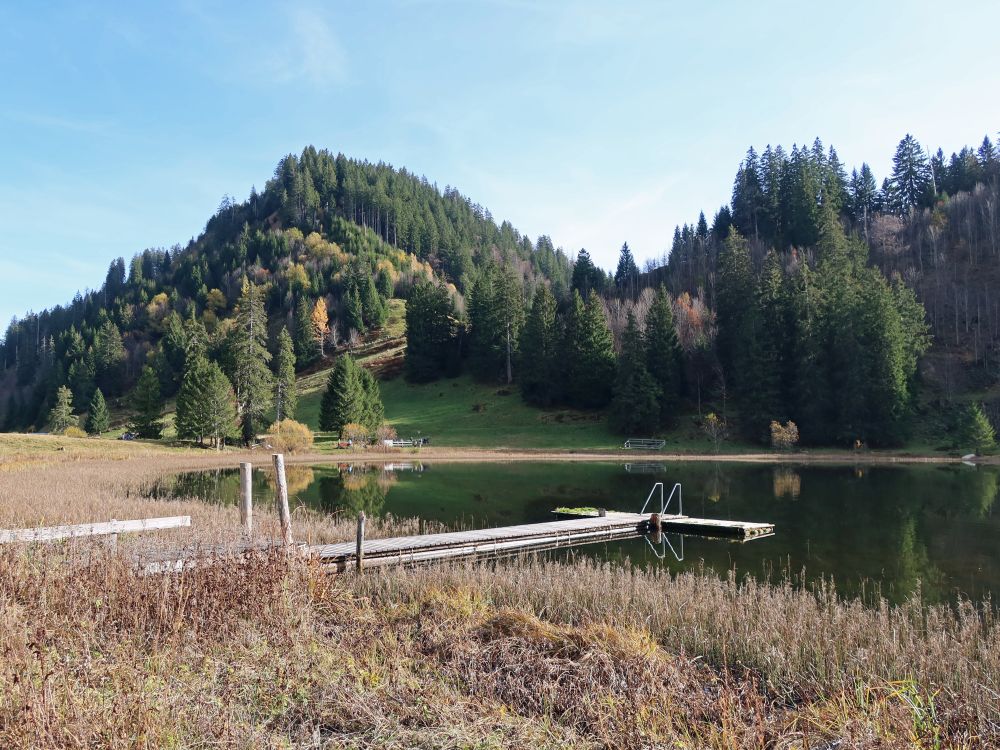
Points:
[(635, 407), (206, 403), (220, 420), (496, 314), (306, 350), (590, 355), (429, 332), (252, 379), (354, 315), (627, 273), (663, 353), (61, 417), (189, 420), (373, 411), (284, 380), (148, 406), (539, 345), (763, 400), (736, 313), (373, 307), (109, 358), (344, 400), (911, 183), (977, 430), (98, 419), (586, 276)]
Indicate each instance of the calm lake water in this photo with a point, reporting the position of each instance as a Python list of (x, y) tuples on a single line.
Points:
[(936, 527)]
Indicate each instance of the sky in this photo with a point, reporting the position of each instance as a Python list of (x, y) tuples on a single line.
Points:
[(596, 123)]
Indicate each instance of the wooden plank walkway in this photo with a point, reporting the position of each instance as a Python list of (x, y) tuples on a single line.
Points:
[(482, 542), (532, 537)]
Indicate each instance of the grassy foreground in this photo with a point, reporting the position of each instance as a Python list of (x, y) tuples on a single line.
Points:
[(274, 652)]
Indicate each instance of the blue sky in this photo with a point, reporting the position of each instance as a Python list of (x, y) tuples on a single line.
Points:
[(596, 123)]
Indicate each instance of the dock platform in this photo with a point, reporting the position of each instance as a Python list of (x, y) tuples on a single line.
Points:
[(532, 537), (502, 540)]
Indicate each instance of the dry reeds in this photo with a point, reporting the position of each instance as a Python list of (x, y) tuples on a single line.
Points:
[(529, 653)]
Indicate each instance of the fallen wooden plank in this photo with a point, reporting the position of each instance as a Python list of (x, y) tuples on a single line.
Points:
[(53, 533)]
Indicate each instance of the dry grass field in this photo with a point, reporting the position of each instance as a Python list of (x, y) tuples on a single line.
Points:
[(274, 652)]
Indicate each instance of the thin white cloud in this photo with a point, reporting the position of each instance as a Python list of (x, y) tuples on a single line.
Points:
[(299, 45), (59, 122)]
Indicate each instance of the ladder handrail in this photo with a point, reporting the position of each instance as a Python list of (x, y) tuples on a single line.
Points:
[(664, 504)]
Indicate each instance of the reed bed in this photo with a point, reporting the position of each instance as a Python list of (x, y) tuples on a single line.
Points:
[(275, 652), (272, 651)]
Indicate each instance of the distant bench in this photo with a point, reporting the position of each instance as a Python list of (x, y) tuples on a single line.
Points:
[(408, 443), (644, 444)]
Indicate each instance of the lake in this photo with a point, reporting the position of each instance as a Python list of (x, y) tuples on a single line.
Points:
[(891, 527)]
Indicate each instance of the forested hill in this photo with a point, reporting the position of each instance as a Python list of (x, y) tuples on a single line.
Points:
[(325, 227), (933, 223)]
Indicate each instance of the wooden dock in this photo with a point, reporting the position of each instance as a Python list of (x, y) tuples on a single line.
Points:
[(503, 540), (532, 537)]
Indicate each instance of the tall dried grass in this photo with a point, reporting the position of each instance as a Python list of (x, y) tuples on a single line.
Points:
[(272, 651)]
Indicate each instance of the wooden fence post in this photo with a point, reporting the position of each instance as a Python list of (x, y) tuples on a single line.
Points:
[(246, 499), (360, 552), (281, 499)]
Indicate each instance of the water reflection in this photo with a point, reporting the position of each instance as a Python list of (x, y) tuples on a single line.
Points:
[(902, 527)]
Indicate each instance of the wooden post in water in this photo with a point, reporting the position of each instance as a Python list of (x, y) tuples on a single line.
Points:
[(359, 554), (281, 499), (655, 527), (246, 499)]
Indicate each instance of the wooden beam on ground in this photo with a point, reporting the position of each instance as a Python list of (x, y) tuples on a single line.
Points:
[(54, 533)]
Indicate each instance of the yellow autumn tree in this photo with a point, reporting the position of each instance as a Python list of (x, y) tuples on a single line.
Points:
[(320, 323)]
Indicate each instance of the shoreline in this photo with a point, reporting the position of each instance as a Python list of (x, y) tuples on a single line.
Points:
[(19, 451)]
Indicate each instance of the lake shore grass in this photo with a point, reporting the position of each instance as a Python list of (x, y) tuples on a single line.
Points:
[(274, 652)]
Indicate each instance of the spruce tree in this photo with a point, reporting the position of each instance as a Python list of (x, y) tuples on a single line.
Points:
[(763, 400), (590, 356), (190, 420), (252, 379), (148, 406), (663, 353), (306, 350), (977, 430), (540, 373), (627, 273), (219, 414), (354, 315), (61, 417), (586, 276), (284, 378), (109, 358), (635, 407), (344, 400), (429, 332), (373, 307), (373, 411), (736, 310), (911, 183), (98, 419)]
